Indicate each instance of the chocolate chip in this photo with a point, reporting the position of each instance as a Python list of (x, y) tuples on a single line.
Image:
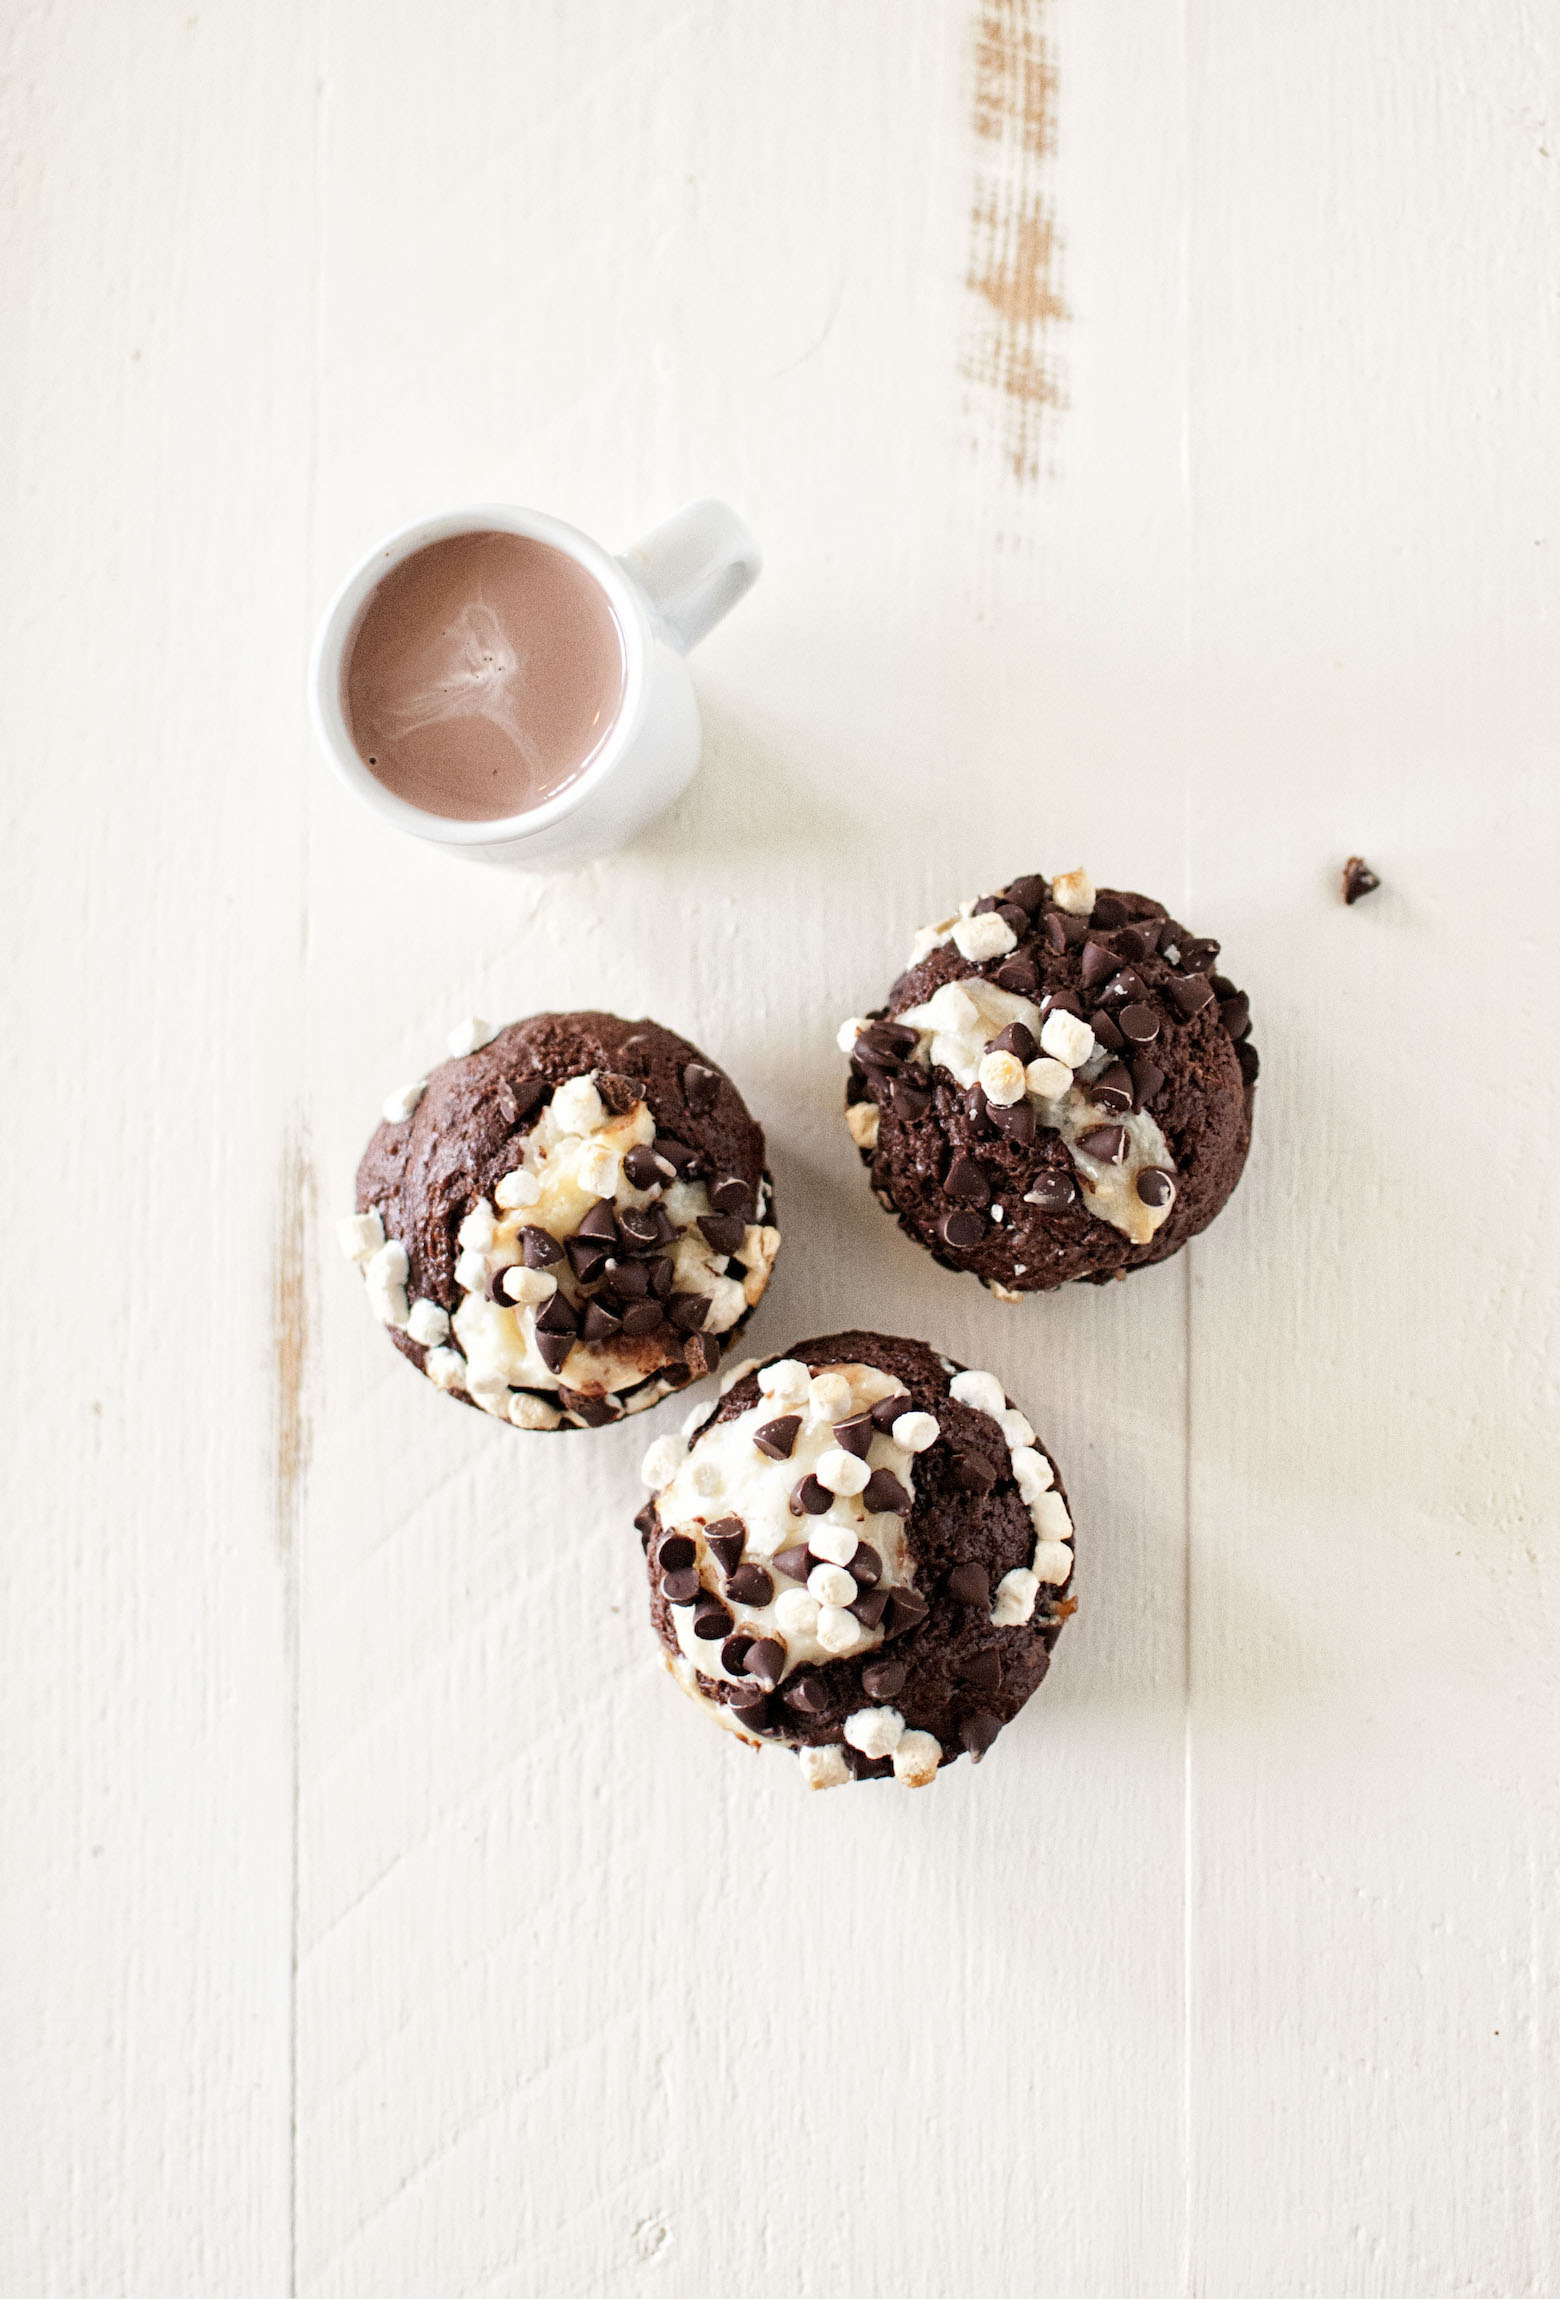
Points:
[(730, 1194), (1112, 1089), (970, 1585), (855, 1435), (749, 1705), (806, 1694), (1052, 1191), (1358, 879), (588, 1257), (884, 1680), (680, 1587), (599, 1223), (644, 1227), (645, 1521), (778, 1438), (1107, 1143), (1235, 1014), (811, 1499), (677, 1154), (1246, 1053), (629, 1280), (641, 1318), (966, 1182), (724, 1231), (750, 1585), (1016, 1040), (557, 1316), (887, 1411), (711, 1621), (553, 1350), (1106, 1032), (1138, 1024), (518, 1097), (983, 1670), (766, 1660), (1029, 893), (1074, 928), (870, 1607), (1063, 1002), (687, 1311), (907, 1608), (1097, 965), (1125, 985), (866, 1566), (676, 1553), (726, 1539), (540, 1247), (978, 1109), (795, 1562), (662, 1277), (1197, 957), (1019, 976), (1155, 1186), (594, 1412), (978, 1731), (909, 1102), (885, 1495), (1147, 1078), (1191, 993), (1016, 1119), (599, 1324), (701, 1352), (735, 1651), (1141, 940), (974, 1472), (641, 1168), (1056, 931), (700, 1087), (1109, 911)]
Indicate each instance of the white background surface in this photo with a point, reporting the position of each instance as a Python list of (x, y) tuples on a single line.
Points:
[(377, 1919)]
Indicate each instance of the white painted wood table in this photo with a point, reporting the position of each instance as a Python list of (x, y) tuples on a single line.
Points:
[(1148, 412)]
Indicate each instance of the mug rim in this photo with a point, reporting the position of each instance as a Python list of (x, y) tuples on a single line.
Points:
[(343, 617)]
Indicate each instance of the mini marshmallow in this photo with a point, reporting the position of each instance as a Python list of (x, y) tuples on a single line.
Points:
[(662, 1462), (445, 1368), (403, 1101), (478, 1228), (837, 1631), (834, 1544), (707, 1480), (1053, 1561), (471, 1272), (828, 1395), (824, 1767), (1015, 1598), (468, 1035), (531, 1412), (1051, 1521), (390, 1265), (952, 1011), (915, 1431), (690, 1420), (786, 1383), (848, 1032), (1002, 1079), (916, 1758), (733, 1374), (577, 1107), (428, 1324), (988, 936), (598, 1168), (875, 1731), (360, 1235), (529, 1288), (490, 1390), (831, 1585), (863, 1120), (842, 1472), (517, 1189), (1015, 1428), (1066, 1037), (385, 1275), (1047, 1078), (1032, 1472), (796, 1613), (1074, 892), (981, 1390)]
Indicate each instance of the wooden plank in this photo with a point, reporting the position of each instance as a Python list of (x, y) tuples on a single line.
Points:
[(156, 381)]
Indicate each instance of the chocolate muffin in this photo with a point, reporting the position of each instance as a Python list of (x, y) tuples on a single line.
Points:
[(566, 1221), (1060, 1086), (860, 1553)]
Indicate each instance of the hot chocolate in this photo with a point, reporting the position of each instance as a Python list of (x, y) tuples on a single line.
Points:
[(485, 676)]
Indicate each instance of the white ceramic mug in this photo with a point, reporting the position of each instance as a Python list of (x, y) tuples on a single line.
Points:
[(665, 593)]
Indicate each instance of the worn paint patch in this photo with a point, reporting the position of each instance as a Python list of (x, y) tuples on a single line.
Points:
[(1015, 252), (290, 1310)]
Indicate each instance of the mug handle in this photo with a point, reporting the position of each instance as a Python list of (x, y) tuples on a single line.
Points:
[(693, 569)]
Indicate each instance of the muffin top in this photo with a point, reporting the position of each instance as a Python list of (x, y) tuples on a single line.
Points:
[(567, 1220), (1059, 1086), (860, 1553)]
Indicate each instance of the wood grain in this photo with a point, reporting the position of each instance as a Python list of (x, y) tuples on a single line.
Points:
[(378, 1920)]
